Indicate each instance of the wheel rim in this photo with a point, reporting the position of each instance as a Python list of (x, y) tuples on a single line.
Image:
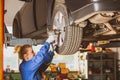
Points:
[(59, 28)]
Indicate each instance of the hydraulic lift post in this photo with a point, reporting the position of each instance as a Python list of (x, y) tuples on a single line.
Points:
[(1, 39)]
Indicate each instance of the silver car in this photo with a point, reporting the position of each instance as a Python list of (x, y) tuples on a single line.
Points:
[(75, 22)]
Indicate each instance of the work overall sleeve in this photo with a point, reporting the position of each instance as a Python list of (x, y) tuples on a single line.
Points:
[(48, 58), (44, 56)]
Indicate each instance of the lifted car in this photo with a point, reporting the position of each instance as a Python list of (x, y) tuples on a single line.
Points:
[(73, 21)]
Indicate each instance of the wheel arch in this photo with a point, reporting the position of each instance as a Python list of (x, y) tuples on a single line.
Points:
[(17, 32)]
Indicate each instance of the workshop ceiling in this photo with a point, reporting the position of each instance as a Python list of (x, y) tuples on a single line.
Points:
[(12, 6)]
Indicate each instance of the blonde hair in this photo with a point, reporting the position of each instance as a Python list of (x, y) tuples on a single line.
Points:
[(21, 50)]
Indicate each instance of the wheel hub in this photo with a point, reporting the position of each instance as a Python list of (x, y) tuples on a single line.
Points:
[(59, 28)]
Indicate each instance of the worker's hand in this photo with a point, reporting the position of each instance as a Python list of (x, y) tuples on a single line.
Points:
[(51, 37)]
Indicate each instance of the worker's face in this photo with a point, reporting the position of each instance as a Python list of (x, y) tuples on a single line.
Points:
[(29, 55)]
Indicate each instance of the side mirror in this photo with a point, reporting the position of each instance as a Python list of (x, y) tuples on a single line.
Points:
[(26, 0)]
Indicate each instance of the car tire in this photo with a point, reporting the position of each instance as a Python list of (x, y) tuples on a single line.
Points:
[(73, 34)]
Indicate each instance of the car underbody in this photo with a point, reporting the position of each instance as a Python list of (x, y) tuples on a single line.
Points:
[(73, 21)]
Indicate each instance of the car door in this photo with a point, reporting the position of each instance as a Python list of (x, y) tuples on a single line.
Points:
[(26, 19)]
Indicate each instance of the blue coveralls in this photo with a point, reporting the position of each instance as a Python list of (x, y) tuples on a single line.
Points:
[(30, 70)]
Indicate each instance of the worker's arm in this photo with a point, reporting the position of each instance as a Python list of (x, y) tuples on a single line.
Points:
[(50, 53), (44, 55)]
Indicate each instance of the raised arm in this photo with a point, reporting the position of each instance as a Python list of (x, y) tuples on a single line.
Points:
[(44, 55)]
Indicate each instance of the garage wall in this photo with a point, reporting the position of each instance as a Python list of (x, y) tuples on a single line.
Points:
[(118, 51), (118, 57)]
